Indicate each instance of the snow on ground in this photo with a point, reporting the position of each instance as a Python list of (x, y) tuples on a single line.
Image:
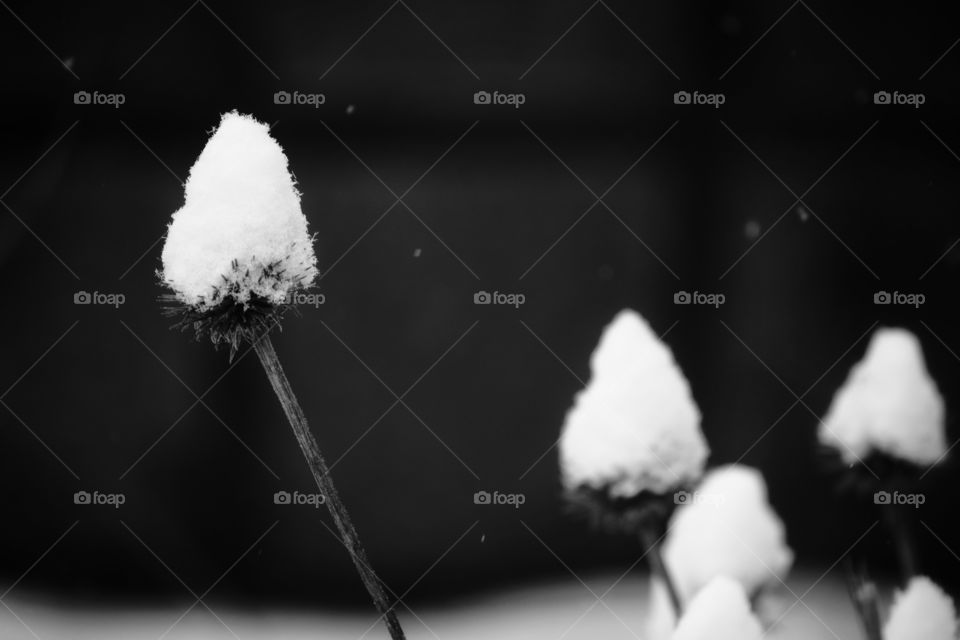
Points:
[(563, 608)]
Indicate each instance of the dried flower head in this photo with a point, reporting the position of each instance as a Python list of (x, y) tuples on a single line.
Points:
[(720, 611), (889, 405), (922, 610), (238, 248), (635, 427)]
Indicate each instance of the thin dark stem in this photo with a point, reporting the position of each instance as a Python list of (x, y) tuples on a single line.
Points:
[(651, 541), (899, 528), (321, 474), (863, 593)]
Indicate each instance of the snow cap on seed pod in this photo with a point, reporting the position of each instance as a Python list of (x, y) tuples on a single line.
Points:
[(889, 404), (727, 528), (239, 246), (635, 427), (720, 611), (724, 528), (921, 611)]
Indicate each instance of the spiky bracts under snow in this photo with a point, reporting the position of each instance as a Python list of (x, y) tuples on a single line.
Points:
[(238, 248)]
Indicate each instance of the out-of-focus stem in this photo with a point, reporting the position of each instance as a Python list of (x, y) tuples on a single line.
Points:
[(899, 527), (863, 593), (651, 542)]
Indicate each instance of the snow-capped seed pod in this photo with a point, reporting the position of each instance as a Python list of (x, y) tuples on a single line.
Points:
[(635, 427), (727, 528), (235, 253), (720, 611), (239, 246), (921, 611), (632, 438), (724, 528), (889, 405)]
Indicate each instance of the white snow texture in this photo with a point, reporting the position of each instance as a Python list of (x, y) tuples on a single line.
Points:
[(921, 612), (635, 426), (720, 611), (727, 528), (888, 404), (240, 231)]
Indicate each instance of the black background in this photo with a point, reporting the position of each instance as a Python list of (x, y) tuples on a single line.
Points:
[(89, 189)]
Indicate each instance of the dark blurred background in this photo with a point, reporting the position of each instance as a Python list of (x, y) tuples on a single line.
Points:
[(705, 199)]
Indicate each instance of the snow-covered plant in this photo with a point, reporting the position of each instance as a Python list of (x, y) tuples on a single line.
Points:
[(234, 254), (632, 438), (922, 611), (635, 427), (725, 528), (889, 405), (719, 611), (239, 247), (886, 423)]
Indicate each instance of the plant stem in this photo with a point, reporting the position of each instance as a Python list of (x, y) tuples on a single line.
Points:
[(651, 541), (900, 530), (863, 593), (321, 474)]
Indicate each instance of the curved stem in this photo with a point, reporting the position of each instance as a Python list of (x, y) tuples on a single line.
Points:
[(321, 474)]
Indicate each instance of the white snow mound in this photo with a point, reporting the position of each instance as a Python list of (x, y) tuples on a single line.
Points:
[(240, 231), (727, 528), (922, 611), (888, 404), (635, 426), (719, 612)]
